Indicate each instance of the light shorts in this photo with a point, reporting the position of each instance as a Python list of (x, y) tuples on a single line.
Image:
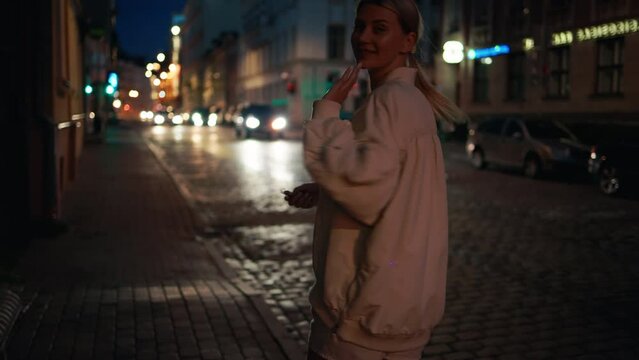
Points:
[(329, 346)]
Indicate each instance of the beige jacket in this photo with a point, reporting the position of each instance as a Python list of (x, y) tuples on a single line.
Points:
[(380, 245)]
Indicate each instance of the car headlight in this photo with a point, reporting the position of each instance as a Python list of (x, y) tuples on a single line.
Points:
[(177, 119), (198, 121), (212, 120), (279, 123), (196, 117), (252, 122)]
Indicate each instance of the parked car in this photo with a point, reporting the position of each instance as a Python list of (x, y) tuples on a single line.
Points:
[(535, 145), (615, 165), (260, 119)]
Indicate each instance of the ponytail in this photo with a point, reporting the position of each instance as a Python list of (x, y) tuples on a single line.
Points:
[(445, 110)]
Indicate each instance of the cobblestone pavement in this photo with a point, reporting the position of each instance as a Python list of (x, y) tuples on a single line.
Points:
[(539, 269)]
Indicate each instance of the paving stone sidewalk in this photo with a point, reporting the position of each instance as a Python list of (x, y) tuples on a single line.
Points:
[(129, 280)]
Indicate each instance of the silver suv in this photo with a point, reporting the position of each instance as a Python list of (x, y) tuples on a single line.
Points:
[(533, 145)]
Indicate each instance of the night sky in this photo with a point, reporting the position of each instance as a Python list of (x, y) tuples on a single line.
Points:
[(143, 26)]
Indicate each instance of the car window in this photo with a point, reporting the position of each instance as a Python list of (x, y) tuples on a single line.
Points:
[(546, 130), (492, 126), (512, 128), (258, 111)]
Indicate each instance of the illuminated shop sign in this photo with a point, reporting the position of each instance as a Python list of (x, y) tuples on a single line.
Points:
[(488, 52), (596, 32)]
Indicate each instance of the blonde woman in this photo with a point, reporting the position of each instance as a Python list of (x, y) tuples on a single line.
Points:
[(380, 246)]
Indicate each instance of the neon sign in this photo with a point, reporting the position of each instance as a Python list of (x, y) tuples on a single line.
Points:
[(595, 32), (488, 52)]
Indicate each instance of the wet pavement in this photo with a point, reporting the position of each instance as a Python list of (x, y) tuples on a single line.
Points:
[(539, 269)]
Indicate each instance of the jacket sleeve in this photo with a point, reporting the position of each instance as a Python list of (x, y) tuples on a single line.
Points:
[(360, 171)]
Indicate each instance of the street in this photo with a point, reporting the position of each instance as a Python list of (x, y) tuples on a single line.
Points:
[(544, 269)]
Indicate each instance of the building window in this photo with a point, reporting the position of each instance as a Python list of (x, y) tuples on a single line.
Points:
[(610, 66), (516, 19), (515, 83), (607, 9), (481, 13), (558, 82), (560, 12), (480, 82), (336, 41)]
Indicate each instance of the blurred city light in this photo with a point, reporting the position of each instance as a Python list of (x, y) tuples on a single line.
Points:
[(453, 52), (148, 74), (117, 103), (157, 82), (88, 89), (175, 30), (163, 75), (161, 57), (162, 94), (134, 93)]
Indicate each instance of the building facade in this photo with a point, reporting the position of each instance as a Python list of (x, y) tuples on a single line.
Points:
[(46, 109), (204, 23), (573, 60), (291, 51)]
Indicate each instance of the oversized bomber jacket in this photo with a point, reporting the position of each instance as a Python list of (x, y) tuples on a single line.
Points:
[(380, 245)]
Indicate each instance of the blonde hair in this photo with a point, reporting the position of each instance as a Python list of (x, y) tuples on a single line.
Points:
[(411, 20)]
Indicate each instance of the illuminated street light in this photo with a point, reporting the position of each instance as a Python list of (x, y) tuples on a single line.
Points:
[(453, 52), (175, 30), (157, 82), (134, 93), (161, 57)]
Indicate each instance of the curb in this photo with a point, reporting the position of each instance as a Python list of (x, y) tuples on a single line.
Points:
[(292, 350)]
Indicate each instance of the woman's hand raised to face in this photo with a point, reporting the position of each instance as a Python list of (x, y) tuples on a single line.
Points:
[(343, 86), (304, 196)]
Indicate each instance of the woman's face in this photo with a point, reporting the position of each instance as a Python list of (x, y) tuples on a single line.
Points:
[(378, 40)]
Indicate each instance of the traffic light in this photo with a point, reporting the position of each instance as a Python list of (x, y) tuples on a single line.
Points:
[(112, 83), (291, 86)]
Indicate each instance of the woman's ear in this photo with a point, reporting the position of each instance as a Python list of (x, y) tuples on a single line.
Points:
[(409, 43)]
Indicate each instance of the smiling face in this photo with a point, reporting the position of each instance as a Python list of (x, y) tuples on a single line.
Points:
[(378, 40)]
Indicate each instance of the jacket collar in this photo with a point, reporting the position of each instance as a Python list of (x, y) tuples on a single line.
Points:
[(403, 74)]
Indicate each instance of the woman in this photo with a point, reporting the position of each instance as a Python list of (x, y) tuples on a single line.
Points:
[(381, 228)]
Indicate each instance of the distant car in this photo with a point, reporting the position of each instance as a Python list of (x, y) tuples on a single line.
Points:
[(615, 165), (260, 119), (534, 145)]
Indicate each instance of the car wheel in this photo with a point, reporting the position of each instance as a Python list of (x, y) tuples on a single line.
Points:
[(532, 167), (609, 180), (477, 159)]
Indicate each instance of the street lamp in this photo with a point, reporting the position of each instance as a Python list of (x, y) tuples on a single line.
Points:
[(161, 57), (175, 30)]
